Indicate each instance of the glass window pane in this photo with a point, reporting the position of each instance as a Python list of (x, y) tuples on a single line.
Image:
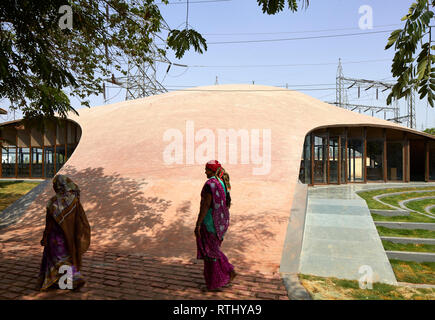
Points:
[(320, 160), (8, 162), (343, 159), (333, 160), (394, 161), (60, 157), (37, 161), (305, 169), (355, 160), (49, 162), (374, 160), (23, 163)]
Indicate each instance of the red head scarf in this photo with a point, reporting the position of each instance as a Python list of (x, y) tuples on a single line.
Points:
[(213, 165)]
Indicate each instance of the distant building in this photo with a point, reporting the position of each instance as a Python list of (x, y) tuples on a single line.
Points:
[(30, 153)]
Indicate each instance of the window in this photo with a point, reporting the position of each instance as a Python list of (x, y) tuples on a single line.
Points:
[(374, 160), (305, 169), (8, 161), (355, 152), (320, 159), (333, 159), (60, 157), (37, 162), (343, 159), (23, 163), (395, 161), (49, 162)]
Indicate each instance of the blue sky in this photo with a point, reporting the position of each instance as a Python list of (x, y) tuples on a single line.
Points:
[(240, 20)]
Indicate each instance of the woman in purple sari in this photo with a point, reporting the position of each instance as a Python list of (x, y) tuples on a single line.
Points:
[(66, 236), (211, 226)]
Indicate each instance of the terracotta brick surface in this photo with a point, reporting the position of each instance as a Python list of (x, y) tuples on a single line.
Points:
[(136, 278)]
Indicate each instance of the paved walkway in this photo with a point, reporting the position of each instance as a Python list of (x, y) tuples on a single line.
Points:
[(340, 236), (120, 276)]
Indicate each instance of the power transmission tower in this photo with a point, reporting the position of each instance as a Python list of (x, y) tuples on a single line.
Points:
[(344, 84), (412, 123), (141, 80), (341, 93)]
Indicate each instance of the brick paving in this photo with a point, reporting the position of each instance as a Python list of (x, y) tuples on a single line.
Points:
[(130, 277)]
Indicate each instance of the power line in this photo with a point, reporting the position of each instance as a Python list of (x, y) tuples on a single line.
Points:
[(281, 85), (280, 65), (292, 32), (242, 90), (195, 2), (301, 38)]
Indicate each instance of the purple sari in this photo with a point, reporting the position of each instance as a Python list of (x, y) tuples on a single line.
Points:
[(217, 269), (54, 256)]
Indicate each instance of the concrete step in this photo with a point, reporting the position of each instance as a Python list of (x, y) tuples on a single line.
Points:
[(406, 225), (416, 285), (411, 256), (390, 213), (409, 240)]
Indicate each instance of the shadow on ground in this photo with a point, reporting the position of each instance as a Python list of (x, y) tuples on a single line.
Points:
[(124, 218), (119, 276)]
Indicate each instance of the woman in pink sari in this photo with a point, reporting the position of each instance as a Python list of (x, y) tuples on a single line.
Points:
[(211, 226)]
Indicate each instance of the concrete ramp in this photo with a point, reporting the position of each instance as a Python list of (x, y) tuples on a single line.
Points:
[(16, 210), (340, 238)]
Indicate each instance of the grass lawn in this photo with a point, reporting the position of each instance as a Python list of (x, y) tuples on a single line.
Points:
[(394, 200), (414, 272), (419, 205), (373, 204), (413, 217), (322, 288), (10, 191), (416, 233), (392, 246)]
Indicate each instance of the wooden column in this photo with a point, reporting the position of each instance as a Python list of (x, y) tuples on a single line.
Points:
[(43, 157), (339, 160), (426, 170), (345, 157), (327, 156), (385, 164), (312, 158), (30, 153), (16, 153), (406, 170), (365, 155)]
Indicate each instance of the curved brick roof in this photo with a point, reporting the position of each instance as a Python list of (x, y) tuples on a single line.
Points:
[(138, 203)]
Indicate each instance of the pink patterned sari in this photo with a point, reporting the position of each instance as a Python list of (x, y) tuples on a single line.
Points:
[(217, 269)]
